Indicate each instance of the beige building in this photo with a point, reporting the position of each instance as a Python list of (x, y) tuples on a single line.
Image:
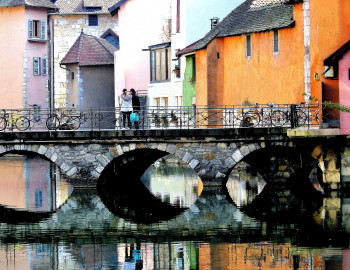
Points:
[(75, 16)]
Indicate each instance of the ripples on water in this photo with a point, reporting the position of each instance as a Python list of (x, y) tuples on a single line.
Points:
[(165, 221)]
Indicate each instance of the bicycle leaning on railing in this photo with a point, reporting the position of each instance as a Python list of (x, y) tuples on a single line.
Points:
[(65, 120), (13, 120)]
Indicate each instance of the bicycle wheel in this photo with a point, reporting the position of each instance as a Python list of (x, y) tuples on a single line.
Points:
[(3, 123), (250, 119), (278, 118), (22, 123), (52, 123), (71, 122), (74, 122)]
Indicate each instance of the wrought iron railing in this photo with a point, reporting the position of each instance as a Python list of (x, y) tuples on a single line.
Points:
[(180, 117)]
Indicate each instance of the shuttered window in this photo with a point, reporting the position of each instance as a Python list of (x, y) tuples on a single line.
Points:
[(36, 66), (36, 29)]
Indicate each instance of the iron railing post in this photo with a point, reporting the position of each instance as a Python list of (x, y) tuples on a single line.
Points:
[(293, 116)]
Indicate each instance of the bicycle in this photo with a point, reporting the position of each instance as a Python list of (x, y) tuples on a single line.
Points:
[(68, 120), (20, 122)]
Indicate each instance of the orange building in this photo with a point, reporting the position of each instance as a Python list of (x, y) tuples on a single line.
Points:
[(271, 51)]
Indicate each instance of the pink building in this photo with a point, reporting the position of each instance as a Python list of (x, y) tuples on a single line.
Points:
[(24, 53), (141, 24), (338, 68)]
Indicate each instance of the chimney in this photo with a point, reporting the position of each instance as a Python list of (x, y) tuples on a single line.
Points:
[(214, 22)]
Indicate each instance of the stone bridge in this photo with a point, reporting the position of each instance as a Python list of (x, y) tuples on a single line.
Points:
[(212, 153)]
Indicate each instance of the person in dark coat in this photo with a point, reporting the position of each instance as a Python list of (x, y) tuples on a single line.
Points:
[(136, 106)]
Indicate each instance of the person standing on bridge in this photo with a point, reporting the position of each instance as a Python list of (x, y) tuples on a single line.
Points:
[(125, 103), (136, 106)]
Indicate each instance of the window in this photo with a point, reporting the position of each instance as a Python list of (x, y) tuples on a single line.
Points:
[(248, 46), (276, 45), (38, 198), (36, 29), (160, 61), (93, 20), (36, 66)]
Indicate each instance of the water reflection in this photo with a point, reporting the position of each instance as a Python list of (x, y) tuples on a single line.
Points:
[(173, 182), (244, 184), (31, 184), (131, 254), (101, 229)]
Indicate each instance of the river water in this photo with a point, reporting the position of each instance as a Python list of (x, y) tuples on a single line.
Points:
[(165, 220)]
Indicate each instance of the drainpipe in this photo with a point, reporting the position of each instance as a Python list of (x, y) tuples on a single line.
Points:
[(307, 55), (51, 85)]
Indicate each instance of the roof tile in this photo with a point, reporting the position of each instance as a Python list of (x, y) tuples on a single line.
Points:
[(90, 51)]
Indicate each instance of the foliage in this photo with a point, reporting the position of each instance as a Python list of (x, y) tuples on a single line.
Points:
[(329, 104), (192, 79), (173, 116)]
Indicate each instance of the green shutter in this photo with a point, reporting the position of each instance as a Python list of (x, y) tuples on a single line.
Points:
[(36, 66), (44, 66), (43, 28), (30, 28)]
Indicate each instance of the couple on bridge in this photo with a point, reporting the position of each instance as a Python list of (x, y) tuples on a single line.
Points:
[(130, 107)]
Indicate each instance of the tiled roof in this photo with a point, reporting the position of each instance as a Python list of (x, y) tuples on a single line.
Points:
[(90, 51), (31, 3), (248, 18), (84, 6), (187, 49)]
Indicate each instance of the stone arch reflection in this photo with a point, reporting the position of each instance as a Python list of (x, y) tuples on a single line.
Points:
[(122, 191), (173, 181), (30, 186)]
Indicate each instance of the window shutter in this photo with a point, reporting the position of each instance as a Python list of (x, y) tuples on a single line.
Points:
[(43, 28), (36, 66), (44, 66), (30, 28)]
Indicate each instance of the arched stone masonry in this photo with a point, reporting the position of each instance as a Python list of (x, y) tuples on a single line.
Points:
[(213, 161)]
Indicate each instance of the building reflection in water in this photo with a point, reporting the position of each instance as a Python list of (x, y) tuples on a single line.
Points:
[(31, 184), (170, 255), (172, 182), (244, 184)]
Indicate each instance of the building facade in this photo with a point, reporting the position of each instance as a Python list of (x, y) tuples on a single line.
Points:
[(190, 21), (24, 54), (91, 16), (142, 23), (271, 51)]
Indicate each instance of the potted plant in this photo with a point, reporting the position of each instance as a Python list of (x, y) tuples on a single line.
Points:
[(164, 121), (173, 116), (156, 119), (176, 70)]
